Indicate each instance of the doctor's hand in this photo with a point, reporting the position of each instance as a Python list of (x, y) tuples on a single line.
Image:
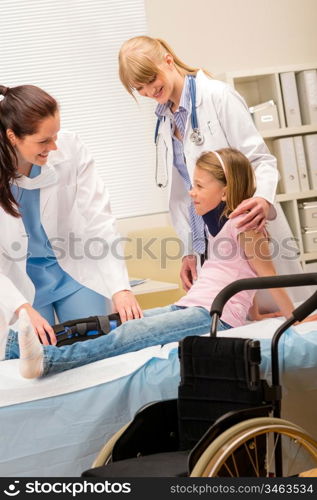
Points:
[(126, 305), (41, 327), (188, 273), (256, 212)]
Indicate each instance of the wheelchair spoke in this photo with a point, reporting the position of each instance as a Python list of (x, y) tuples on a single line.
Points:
[(275, 441), (294, 451), (235, 465), (247, 448), (228, 469)]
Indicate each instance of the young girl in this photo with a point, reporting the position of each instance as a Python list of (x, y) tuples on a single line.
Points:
[(150, 67), (220, 176)]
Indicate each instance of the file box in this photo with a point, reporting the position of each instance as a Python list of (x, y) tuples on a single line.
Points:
[(265, 116), (309, 236), (307, 211)]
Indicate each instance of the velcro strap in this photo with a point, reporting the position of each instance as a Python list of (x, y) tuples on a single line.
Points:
[(59, 328), (62, 336), (81, 329), (104, 324)]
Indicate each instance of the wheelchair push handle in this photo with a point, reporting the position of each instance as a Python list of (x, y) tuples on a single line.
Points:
[(305, 309), (291, 280)]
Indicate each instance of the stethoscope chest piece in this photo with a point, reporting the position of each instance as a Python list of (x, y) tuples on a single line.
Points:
[(196, 137)]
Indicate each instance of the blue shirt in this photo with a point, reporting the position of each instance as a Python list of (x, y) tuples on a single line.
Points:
[(51, 282)]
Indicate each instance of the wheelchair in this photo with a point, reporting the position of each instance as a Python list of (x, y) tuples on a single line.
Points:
[(226, 421)]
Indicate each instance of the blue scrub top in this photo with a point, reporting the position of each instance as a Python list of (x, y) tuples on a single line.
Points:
[(51, 282)]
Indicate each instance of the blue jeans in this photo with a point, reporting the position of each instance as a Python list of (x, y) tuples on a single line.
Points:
[(80, 304), (173, 324)]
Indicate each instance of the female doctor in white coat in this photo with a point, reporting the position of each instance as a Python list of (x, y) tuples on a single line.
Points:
[(59, 248), (197, 113)]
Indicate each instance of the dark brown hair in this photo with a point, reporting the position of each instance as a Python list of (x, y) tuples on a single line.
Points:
[(22, 109)]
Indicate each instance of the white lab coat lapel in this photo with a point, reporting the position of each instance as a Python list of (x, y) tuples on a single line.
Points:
[(48, 196), (55, 157), (165, 131), (166, 136), (16, 241)]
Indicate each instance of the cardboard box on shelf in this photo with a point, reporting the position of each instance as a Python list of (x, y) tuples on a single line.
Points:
[(265, 115)]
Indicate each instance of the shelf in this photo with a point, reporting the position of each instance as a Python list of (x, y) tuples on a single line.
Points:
[(296, 196), (255, 73), (152, 286), (288, 131), (309, 256), (259, 85)]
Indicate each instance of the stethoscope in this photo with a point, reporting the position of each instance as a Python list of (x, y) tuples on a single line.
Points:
[(196, 136)]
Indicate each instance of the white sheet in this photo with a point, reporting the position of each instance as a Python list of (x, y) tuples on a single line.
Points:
[(14, 389), (266, 328)]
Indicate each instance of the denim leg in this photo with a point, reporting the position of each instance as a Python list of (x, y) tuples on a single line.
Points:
[(12, 350), (155, 311), (174, 324)]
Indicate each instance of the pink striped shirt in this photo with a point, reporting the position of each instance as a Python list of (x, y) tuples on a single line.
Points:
[(226, 263)]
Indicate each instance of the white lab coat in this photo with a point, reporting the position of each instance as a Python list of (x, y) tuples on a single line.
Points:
[(224, 120), (76, 215)]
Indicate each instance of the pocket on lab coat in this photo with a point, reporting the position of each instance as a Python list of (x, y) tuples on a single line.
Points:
[(215, 130)]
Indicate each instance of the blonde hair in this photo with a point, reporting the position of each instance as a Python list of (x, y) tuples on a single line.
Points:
[(238, 175), (139, 58)]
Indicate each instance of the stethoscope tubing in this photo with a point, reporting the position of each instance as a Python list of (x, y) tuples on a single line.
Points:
[(196, 136), (192, 90)]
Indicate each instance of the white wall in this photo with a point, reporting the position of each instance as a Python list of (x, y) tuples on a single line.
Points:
[(227, 35)]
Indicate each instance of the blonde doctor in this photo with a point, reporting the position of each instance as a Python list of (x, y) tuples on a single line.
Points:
[(59, 248), (196, 113)]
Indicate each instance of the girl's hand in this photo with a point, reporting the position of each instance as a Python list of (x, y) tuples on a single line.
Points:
[(276, 314), (256, 211), (126, 305), (188, 272), (255, 315), (41, 326)]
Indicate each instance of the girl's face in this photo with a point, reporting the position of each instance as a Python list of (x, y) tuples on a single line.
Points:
[(207, 191), (34, 149), (164, 86)]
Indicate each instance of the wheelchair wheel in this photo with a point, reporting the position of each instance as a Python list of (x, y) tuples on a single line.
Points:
[(247, 450), (105, 453)]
